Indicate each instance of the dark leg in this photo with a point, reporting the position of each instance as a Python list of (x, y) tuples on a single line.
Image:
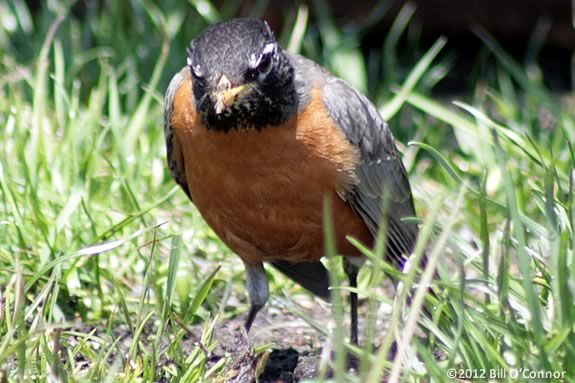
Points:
[(257, 290), (351, 270), (353, 299), (254, 309)]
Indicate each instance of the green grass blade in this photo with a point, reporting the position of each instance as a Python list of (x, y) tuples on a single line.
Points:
[(393, 106)]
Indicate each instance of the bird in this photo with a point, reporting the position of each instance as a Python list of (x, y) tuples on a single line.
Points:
[(258, 137)]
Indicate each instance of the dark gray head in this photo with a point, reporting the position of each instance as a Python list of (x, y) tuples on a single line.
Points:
[(241, 76)]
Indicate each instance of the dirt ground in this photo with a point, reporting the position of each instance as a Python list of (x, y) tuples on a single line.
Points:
[(296, 347), (295, 351)]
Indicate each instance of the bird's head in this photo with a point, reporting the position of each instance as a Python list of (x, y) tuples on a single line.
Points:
[(241, 77)]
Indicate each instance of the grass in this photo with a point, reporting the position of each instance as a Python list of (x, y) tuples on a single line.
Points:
[(106, 269)]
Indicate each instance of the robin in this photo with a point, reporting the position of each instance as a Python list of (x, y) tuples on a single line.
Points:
[(257, 137)]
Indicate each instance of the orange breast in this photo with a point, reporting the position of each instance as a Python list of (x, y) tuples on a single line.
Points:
[(262, 191)]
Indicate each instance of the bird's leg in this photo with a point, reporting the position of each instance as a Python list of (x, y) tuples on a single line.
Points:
[(352, 270), (257, 290)]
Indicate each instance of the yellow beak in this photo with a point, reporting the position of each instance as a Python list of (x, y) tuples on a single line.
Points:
[(227, 97)]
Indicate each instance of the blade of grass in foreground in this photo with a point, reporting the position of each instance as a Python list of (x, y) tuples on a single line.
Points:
[(484, 233), (175, 252), (201, 295), (422, 290), (392, 107), (337, 300), (523, 257), (378, 367), (376, 279)]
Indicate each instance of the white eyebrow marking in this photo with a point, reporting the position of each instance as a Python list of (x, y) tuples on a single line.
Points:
[(268, 48), (189, 61), (253, 60)]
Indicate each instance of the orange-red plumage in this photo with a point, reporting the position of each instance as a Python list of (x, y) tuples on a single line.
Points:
[(249, 200)]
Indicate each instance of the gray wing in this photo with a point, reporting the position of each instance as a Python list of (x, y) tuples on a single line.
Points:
[(173, 148), (380, 168)]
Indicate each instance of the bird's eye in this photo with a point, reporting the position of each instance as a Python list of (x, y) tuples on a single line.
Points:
[(261, 65), (265, 64)]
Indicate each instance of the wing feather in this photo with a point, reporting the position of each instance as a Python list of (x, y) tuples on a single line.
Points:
[(380, 168), (173, 149)]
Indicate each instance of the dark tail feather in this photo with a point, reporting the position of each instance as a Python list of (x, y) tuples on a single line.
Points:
[(312, 276)]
